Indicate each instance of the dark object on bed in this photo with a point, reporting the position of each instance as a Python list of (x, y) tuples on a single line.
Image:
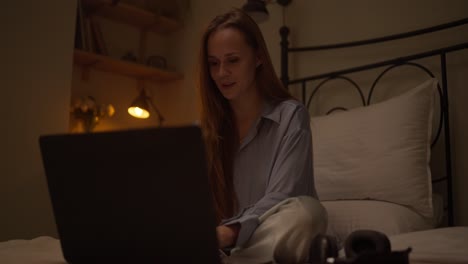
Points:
[(362, 247), (389, 64), (362, 241)]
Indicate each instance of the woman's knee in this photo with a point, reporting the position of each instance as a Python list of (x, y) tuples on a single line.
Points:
[(304, 218), (286, 232), (300, 218), (309, 215)]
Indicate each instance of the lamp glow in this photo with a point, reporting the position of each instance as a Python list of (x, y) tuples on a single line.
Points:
[(138, 112), (140, 107)]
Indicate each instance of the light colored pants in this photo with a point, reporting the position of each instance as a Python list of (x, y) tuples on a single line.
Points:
[(284, 234)]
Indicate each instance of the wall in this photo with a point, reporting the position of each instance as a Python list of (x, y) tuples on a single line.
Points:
[(35, 91)]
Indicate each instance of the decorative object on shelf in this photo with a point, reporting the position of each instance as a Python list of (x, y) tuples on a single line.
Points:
[(129, 56), (140, 107), (156, 61), (89, 113)]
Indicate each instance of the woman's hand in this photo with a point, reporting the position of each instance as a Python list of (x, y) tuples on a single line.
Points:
[(227, 235)]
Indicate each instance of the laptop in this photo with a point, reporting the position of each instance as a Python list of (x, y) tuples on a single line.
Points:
[(134, 196)]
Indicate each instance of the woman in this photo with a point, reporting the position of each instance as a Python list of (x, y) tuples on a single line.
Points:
[(258, 146)]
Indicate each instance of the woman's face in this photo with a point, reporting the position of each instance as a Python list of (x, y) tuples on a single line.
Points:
[(232, 64)]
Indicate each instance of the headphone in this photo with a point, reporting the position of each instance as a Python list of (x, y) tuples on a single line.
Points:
[(361, 247)]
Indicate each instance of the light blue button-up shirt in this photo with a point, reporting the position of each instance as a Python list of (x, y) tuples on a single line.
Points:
[(273, 163)]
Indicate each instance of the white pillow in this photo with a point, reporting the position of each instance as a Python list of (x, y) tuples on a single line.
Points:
[(378, 152)]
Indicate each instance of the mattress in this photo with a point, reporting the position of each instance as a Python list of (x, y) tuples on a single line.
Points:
[(443, 245), (347, 216), (41, 250)]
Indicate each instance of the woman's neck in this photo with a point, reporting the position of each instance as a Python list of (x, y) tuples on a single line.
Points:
[(246, 111)]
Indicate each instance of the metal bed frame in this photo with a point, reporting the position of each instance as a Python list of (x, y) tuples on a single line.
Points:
[(389, 64)]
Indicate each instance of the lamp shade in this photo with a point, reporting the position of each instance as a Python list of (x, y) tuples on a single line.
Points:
[(139, 108), (256, 9)]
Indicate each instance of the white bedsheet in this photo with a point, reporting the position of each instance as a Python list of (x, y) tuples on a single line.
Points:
[(347, 216), (41, 250), (442, 245)]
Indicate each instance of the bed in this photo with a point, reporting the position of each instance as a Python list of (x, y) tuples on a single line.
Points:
[(382, 150)]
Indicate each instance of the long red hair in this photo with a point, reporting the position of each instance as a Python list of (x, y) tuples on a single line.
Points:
[(217, 120)]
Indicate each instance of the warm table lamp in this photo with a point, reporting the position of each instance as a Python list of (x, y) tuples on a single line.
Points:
[(140, 107)]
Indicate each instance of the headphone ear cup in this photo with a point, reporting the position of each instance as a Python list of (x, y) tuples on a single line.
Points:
[(321, 248), (361, 241)]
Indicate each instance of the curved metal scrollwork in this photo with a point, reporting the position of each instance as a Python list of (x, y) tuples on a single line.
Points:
[(371, 92), (355, 85), (338, 108)]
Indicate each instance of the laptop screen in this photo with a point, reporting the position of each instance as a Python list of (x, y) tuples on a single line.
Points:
[(131, 195)]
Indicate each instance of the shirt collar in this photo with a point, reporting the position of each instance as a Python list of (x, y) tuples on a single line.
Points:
[(271, 112)]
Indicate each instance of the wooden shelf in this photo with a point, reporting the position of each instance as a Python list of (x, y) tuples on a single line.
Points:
[(135, 70), (132, 15)]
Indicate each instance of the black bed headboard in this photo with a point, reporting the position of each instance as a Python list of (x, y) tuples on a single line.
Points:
[(387, 65)]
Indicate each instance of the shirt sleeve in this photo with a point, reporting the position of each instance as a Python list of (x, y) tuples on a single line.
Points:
[(291, 176)]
